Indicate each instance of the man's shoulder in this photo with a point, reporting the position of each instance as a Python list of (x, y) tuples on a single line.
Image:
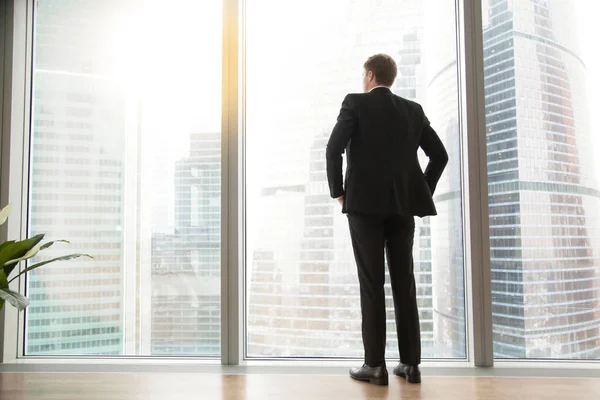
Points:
[(410, 103), (352, 100), (353, 96)]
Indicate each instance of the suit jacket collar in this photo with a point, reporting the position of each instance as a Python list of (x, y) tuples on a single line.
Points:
[(380, 88)]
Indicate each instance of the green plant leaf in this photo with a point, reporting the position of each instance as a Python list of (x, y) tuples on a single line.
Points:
[(30, 253), (63, 258), (17, 300), (4, 213), (45, 246), (33, 251), (3, 279), (16, 250), (5, 244), (1, 304)]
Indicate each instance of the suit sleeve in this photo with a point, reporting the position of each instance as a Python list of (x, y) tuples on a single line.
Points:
[(340, 136), (435, 150)]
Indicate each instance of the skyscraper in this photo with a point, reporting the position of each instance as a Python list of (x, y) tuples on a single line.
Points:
[(273, 274), (543, 195), (186, 265), (301, 291), (78, 166), (440, 82)]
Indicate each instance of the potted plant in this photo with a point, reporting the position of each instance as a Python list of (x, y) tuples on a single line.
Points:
[(13, 252)]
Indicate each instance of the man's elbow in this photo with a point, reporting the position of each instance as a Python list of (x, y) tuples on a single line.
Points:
[(444, 158), (440, 158), (331, 152)]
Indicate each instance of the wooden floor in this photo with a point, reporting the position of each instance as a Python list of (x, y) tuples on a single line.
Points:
[(173, 386)]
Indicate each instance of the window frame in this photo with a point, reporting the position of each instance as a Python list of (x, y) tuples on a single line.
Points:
[(16, 64), (475, 185), (470, 93), (17, 60), (233, 318)]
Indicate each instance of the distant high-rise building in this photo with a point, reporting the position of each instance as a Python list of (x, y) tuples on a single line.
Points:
[(408, 85), (439, 78), (544, 199), (324, 273), (303, 306), (78, 166), (186, 266), (274, 292)]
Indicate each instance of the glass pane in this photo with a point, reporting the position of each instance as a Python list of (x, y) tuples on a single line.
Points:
[(125, 163), (543, 173), (302, 288)]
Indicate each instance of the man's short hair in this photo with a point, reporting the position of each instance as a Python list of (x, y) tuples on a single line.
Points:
[(383, 67)]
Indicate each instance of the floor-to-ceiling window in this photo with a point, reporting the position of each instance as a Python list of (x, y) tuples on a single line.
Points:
[(541, 95), (302, 295), (125, 163)]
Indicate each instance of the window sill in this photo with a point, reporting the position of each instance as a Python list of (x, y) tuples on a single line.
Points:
[(522, 369)]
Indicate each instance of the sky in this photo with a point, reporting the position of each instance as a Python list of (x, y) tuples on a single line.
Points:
[(587, 32), (171, 62)]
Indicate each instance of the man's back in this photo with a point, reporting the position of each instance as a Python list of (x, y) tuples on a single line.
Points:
[(381, 133)]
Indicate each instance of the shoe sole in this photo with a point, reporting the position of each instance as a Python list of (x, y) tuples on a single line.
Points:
[(409, 380), (373, 381)]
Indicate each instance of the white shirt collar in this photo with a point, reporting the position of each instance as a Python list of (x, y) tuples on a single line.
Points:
[(378, 87)]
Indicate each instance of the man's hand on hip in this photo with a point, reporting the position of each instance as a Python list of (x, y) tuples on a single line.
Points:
[(340, 200)]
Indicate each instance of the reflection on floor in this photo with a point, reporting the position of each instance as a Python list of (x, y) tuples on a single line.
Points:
[(175, 386)]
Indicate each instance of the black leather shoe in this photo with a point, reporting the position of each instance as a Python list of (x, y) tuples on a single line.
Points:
[(375, 375), (411, 373)]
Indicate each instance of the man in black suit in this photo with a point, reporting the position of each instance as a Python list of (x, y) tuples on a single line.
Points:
[(384, 189)]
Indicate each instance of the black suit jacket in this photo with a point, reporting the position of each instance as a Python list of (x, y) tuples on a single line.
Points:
[(381, 133)]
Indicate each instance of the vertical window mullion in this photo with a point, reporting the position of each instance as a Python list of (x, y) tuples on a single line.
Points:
[(231, 214), (478, 271)]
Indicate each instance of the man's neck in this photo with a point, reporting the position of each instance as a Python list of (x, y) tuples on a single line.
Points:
[(378, 86)]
